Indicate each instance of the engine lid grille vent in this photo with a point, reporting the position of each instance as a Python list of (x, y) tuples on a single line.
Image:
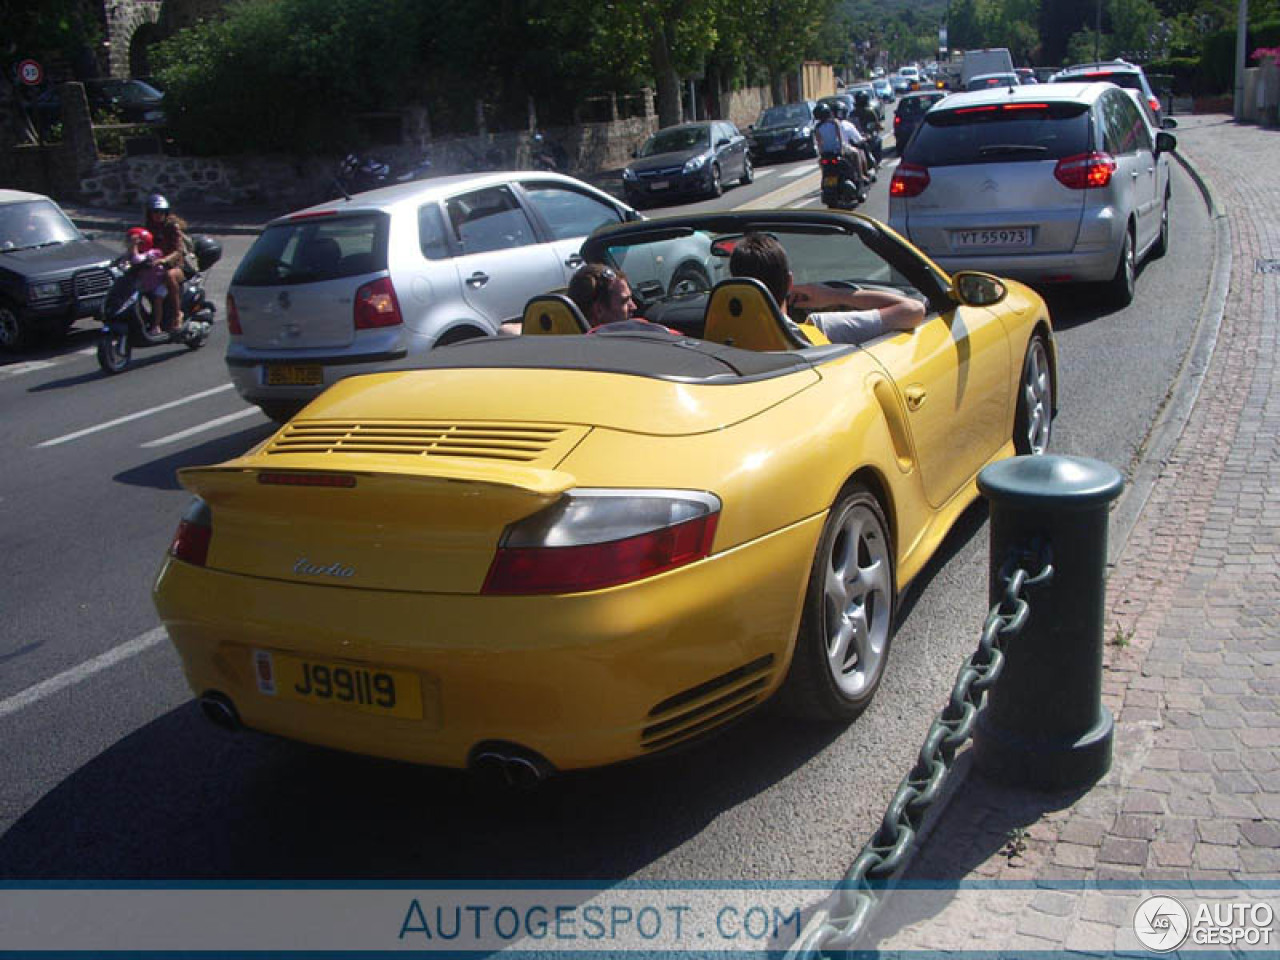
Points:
[(510, 443)]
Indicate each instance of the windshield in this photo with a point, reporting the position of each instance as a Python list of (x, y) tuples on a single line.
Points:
[(781, 116), (315, 250), (38, 223), (675, 140), (1021, 132), (130, 91)]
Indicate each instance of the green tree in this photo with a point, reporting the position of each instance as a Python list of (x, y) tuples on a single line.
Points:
[(779, 33), (1132, 25), (1087, 45)]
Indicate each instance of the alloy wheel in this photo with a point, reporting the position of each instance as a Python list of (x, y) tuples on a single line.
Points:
[(857, 600)]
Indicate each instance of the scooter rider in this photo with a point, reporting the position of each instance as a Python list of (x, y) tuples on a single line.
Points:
[(869, 123), (836, 136)]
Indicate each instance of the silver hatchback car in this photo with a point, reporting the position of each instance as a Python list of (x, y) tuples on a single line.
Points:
[(352, 286), (1050, 183)]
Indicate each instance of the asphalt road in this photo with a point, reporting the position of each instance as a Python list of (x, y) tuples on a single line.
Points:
[(108, 771)]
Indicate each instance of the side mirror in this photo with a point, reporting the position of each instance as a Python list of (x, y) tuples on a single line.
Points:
[(1168, 123), (722, 142), (1166, 142), (973, 289)]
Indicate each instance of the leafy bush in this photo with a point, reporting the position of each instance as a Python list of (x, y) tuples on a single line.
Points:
[(1183, 70), (287, 75)]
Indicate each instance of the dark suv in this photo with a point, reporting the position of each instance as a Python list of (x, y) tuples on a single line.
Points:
[(50, 273)]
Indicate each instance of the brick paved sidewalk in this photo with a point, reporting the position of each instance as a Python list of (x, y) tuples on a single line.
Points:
[(1193, 630)]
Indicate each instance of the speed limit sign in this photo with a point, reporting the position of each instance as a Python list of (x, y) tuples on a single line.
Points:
[(30, 72)]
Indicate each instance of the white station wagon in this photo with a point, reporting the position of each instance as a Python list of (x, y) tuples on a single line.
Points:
[(355, 285)]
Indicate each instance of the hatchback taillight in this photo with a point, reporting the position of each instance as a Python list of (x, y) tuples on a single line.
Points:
[(1085, 171), (194, 534), (909, 180), (1154, 104), (376, 305), (233, 317)]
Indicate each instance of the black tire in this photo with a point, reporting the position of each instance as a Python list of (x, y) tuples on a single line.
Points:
[(1120, 288), (717, 185), (15, 332), (457, 335), (1033, 421), (748, 174), (693, 276), (856, 535), (1162, 241), (114, 350)]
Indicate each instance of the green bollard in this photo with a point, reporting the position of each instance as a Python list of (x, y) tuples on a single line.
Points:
[(1044, 725)]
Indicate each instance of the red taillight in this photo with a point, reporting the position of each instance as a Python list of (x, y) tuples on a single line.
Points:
[(195, 532), (593, 566), (896, 120), (376, 305), (233, 317), (1154, 103), (1085, 171), (909, 180)]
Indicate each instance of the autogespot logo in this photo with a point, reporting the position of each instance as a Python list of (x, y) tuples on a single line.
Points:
[(1161, 923)]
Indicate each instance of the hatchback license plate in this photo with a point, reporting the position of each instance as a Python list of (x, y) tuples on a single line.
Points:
[(830, 181), (1008, 237), (390, 693), (294, 375)]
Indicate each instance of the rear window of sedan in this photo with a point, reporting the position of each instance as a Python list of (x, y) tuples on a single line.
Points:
[(314, 249), (1001, 133)]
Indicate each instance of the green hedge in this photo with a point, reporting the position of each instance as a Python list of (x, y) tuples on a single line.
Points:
[(1218, 59)]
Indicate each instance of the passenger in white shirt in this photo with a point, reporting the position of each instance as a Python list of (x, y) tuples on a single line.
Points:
[(866, 313)]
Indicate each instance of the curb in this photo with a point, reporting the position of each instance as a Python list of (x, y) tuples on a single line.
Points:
[(1183, 392)]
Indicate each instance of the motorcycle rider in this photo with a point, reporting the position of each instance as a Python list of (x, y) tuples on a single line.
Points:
[(837, 137), (869, 123), (170, 235)]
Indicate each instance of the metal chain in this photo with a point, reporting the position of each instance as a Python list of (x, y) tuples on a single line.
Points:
[(836, 930)]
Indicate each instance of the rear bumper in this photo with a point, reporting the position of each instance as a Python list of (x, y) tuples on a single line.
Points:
[(248, 372), (584, 680)]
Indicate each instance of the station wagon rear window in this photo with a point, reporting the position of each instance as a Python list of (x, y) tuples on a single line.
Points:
[(1019, 131), (312, 249)]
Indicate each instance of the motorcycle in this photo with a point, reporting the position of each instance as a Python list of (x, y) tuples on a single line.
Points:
[(356, 175), (545, 155), (841, 188), (126, 313)]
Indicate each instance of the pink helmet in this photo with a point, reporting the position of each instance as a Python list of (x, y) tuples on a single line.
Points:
[(139, 233)]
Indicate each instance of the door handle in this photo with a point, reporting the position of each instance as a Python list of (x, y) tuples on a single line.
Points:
[(477, 279), (574, 261), (1134, 174), (916, 397)]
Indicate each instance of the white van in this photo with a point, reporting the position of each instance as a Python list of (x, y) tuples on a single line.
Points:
[(987, 60)]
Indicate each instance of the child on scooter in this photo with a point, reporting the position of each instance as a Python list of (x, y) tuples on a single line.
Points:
[(146, 256)]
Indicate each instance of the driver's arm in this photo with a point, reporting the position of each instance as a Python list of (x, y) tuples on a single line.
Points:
[(896, 311)]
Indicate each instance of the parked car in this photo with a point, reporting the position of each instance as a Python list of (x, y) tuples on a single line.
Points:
[(130, 100), (351, 286), (1053, 183), (688, 160), (987, 81), (1128, 76), (544, 553), (907, 115), (883, 89), (782, 132), (50, 273)]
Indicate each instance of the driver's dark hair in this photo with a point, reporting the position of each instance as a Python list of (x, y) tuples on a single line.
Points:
[(591, 284), (762, 257)]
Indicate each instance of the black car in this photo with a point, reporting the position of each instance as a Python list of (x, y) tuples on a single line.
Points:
[(692, 159), (50, 273), (910, 110), (129, 100), (783, 131)]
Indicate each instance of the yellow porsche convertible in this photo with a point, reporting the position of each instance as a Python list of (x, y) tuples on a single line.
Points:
[(557, 550)]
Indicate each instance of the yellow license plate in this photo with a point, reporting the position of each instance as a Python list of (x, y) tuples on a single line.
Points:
[(830, 181), (294, 375), (388, 693)]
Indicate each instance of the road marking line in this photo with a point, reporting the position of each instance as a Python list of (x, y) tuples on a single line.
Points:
[(133, 416), (211, 425), (768, 171), (28, 366), (84, 671), (87, 352), (797, 172)]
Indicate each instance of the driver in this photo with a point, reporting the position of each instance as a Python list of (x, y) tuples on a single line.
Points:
[(604, 297), (866, 313)]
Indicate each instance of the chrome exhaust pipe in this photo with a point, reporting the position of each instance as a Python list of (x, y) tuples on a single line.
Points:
[(219, 710), (510, 766)]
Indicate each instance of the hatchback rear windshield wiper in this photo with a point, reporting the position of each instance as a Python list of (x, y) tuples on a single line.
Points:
[(1012, 148)]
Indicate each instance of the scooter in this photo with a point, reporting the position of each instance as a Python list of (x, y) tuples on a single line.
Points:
[(841, 189), (356, 175), (127, 312)]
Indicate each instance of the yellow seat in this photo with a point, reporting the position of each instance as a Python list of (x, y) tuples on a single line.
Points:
[(552, 313), (741, 312)]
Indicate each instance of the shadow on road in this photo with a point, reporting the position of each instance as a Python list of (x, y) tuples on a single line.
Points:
[(180, 799), (142, 358), (162, 474)]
